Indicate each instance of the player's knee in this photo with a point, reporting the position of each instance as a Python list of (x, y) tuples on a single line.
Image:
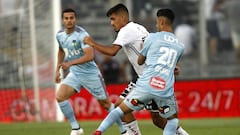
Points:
[(59, 98), (105, 104)]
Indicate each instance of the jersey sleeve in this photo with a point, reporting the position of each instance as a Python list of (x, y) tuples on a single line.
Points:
[(146, 46), (82, 36), (124, 37)]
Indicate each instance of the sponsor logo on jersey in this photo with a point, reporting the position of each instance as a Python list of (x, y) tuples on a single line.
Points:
[(157, 83)]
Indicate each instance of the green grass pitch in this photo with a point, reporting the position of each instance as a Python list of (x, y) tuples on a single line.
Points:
[(210, 126)]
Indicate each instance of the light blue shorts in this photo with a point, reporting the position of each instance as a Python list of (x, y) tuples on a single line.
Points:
[(94, 84), (136, 100)]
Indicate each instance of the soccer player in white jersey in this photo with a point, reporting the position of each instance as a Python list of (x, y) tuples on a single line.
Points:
[(78, 57), (130, 37), (161, 53)]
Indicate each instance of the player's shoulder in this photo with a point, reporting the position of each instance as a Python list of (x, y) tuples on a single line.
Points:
[(79, 29), (151, 35), (155, 36), (134, 29), (133, 25), (60, 31)]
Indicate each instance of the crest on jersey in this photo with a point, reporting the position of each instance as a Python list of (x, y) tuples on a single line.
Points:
[(74, 43)]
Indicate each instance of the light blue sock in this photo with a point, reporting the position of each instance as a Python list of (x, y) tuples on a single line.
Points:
[(171, 127), (69, 114), (119, 121), (111, 118)]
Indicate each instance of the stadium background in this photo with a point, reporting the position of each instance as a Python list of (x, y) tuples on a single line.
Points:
[(206, 87)]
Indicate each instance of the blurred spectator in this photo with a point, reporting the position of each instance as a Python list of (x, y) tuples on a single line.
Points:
[(212, 27), (110, 69), (142, 13), (224, 26), (218, 28), (186, 33), (233, 11)]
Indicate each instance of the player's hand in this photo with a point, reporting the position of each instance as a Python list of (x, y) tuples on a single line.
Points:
[(88, 40), (65, 65)]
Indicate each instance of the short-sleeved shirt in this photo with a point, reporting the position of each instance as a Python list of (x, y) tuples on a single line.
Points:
[(73, 46), (162, 51), (131, 38), (85, 75)]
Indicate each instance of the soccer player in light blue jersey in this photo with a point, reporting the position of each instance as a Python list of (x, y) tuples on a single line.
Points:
[(161, 52), (78, 57)]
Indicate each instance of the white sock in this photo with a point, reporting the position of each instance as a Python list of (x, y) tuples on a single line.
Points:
[(181, 131), (132, 128)]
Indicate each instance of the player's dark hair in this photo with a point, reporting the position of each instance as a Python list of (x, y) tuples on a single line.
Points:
[(168, 13), (117, 8), (69, 10)]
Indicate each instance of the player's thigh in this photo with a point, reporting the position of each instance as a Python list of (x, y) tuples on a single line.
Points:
[(96, 86), (64, 92), (136, 99), (69, 86), (105, 103), (167, 106)]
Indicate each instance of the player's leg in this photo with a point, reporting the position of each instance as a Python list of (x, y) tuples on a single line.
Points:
[(181, 131), (68, 87), (170, 127), (107, 105), (101, 95), (127, 106), (168, 109), (111, 118), (157, 120), (62, 96), (160, 121), (129, 120)]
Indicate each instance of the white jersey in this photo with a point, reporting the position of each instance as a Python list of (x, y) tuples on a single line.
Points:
[(131, 38)]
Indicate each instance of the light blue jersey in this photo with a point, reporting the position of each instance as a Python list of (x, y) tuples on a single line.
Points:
[(85, 75), (73, 46), (162, 51)]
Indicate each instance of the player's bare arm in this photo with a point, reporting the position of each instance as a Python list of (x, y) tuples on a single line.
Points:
[(88, 56), (105, 49), (60, 57), (141, 59)]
